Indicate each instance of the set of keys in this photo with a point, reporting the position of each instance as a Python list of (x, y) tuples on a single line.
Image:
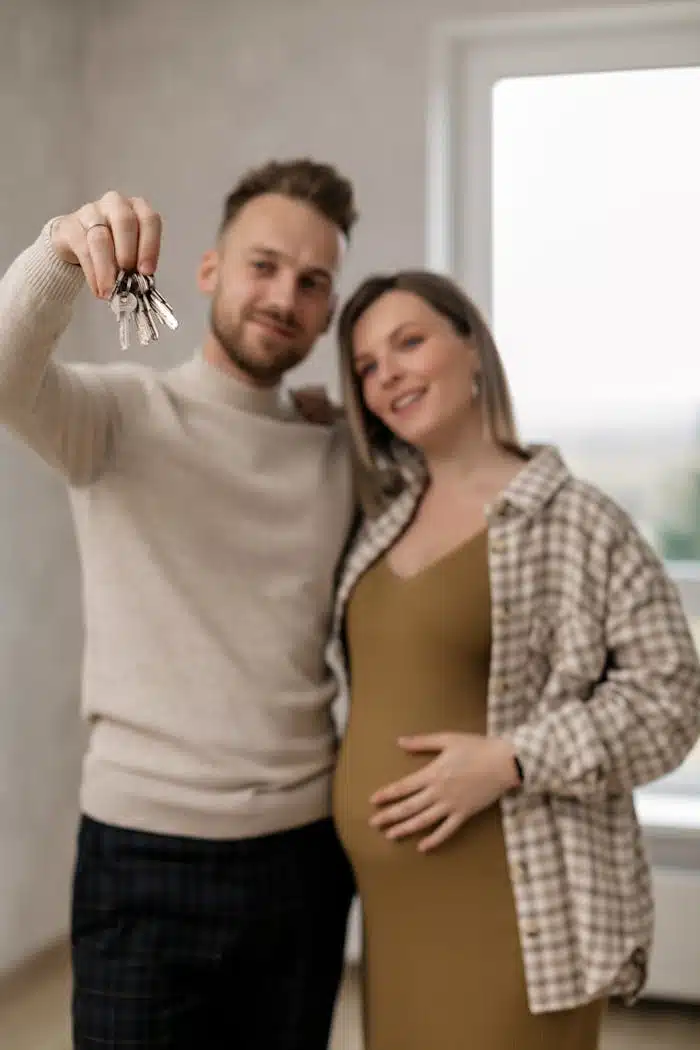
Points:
[(135, 300)]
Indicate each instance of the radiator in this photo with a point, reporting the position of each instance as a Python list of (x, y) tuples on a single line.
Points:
[(675, 961)]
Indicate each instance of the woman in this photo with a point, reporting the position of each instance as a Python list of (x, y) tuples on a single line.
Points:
[(518, 663)]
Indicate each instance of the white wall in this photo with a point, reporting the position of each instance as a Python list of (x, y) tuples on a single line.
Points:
[(223, 85), (172, 102), (40, 631)]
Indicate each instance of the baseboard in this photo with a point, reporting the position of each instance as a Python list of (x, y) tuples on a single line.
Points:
[(34, 969)]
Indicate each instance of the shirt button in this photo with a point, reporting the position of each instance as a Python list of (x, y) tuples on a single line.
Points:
[(531, 929)]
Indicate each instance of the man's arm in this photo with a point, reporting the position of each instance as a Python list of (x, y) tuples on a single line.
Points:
[(67, 413)]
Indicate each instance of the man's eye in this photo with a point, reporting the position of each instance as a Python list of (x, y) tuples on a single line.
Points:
[(262, 266), (309, 284)]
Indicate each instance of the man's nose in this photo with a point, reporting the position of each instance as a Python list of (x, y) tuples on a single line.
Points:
[(282, 295)]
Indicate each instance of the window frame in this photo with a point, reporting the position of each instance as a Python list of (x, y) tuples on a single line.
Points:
[(467, 58)]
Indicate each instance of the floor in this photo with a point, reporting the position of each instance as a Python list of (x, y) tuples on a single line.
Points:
[(33, 1015)]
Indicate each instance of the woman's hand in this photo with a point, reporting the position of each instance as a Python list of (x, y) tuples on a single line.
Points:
[(468, 775)]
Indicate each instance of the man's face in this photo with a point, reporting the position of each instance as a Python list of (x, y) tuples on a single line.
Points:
[(271, 280)]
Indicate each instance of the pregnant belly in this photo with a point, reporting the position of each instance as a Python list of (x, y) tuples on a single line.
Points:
[(370, 758)]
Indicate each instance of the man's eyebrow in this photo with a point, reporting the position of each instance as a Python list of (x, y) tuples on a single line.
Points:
[(274, 253)]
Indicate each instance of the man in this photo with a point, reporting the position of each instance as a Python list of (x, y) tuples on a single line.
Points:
[(211, 894)]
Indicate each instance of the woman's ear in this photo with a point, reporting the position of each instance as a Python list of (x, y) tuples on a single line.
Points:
[(473, 354), (208, 272)]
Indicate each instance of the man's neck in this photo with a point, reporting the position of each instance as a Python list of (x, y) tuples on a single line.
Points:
[(216, 356)]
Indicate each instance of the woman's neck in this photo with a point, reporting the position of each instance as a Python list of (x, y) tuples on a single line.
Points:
[(473, 463)]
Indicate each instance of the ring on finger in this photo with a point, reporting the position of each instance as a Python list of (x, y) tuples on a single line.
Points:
[(94, 225)]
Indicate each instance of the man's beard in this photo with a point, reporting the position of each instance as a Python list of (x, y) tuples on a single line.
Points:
[(268, 371)]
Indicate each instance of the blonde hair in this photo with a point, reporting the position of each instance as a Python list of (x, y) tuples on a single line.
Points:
[(379, 455)]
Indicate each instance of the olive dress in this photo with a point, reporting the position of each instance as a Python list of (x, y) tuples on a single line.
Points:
[(443, 966)]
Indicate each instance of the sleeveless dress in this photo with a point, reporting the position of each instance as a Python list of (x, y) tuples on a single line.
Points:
[(442, 960)]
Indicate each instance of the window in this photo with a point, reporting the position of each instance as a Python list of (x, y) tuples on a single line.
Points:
[(565, 195), (596, 223)]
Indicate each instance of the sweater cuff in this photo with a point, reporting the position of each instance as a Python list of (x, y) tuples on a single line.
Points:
[(49, 276)]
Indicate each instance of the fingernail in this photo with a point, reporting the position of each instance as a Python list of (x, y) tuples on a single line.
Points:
[(146, 266)]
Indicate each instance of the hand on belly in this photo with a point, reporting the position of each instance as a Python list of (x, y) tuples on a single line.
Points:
[(469, 773)]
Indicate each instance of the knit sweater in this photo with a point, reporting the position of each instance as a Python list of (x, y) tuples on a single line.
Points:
[(209, 521)]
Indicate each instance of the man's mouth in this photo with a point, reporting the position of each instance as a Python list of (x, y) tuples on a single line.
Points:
[(277, 328)]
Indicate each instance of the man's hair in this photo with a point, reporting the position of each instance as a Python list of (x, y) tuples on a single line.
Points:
[(319, 185)]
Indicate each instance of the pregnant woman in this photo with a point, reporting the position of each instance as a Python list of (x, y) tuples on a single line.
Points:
[(518, 662)]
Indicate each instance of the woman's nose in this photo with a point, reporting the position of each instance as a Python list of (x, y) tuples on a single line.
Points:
[(389, 373)]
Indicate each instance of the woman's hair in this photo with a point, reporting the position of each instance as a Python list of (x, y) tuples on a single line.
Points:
[(377, 449)]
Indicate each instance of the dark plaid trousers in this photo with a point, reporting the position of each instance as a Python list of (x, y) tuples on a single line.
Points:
[(189, 944)]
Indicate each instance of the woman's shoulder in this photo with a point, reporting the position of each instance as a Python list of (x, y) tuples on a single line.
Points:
[(582, 504)]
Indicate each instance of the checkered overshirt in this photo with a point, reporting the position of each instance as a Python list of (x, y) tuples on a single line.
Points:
[(595, 678)]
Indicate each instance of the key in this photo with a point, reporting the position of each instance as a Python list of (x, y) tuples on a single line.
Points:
[(121, 280), (143, 330), (123, 306), (145, 304), (134, 298), (162, 307)]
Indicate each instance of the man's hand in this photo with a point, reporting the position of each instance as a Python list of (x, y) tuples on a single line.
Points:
[(112, 234), (315, 406), (469, 774)]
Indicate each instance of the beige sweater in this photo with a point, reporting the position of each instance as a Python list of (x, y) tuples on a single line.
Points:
[(209, 522)]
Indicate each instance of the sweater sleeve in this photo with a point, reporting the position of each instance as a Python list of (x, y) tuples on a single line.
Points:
[(64, 412), (643, 718)]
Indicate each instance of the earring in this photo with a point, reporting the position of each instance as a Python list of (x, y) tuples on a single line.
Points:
[(476, 386)]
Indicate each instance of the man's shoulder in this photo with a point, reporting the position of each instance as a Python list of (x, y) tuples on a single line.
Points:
[(134, 386), (123, 375)]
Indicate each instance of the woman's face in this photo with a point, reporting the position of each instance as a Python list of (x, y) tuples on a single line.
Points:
[(415, 370)]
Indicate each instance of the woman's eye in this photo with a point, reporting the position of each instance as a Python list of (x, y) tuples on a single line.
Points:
[(411, 341), (365, 370), (262, 266)]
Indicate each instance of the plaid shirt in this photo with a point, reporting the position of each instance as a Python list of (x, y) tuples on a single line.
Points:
[(595, 678)]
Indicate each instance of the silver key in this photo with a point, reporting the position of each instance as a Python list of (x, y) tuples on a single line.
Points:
[(145, 304), (119, 285), (161, 307), (142, 327), (124, 305), (134, 297)]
